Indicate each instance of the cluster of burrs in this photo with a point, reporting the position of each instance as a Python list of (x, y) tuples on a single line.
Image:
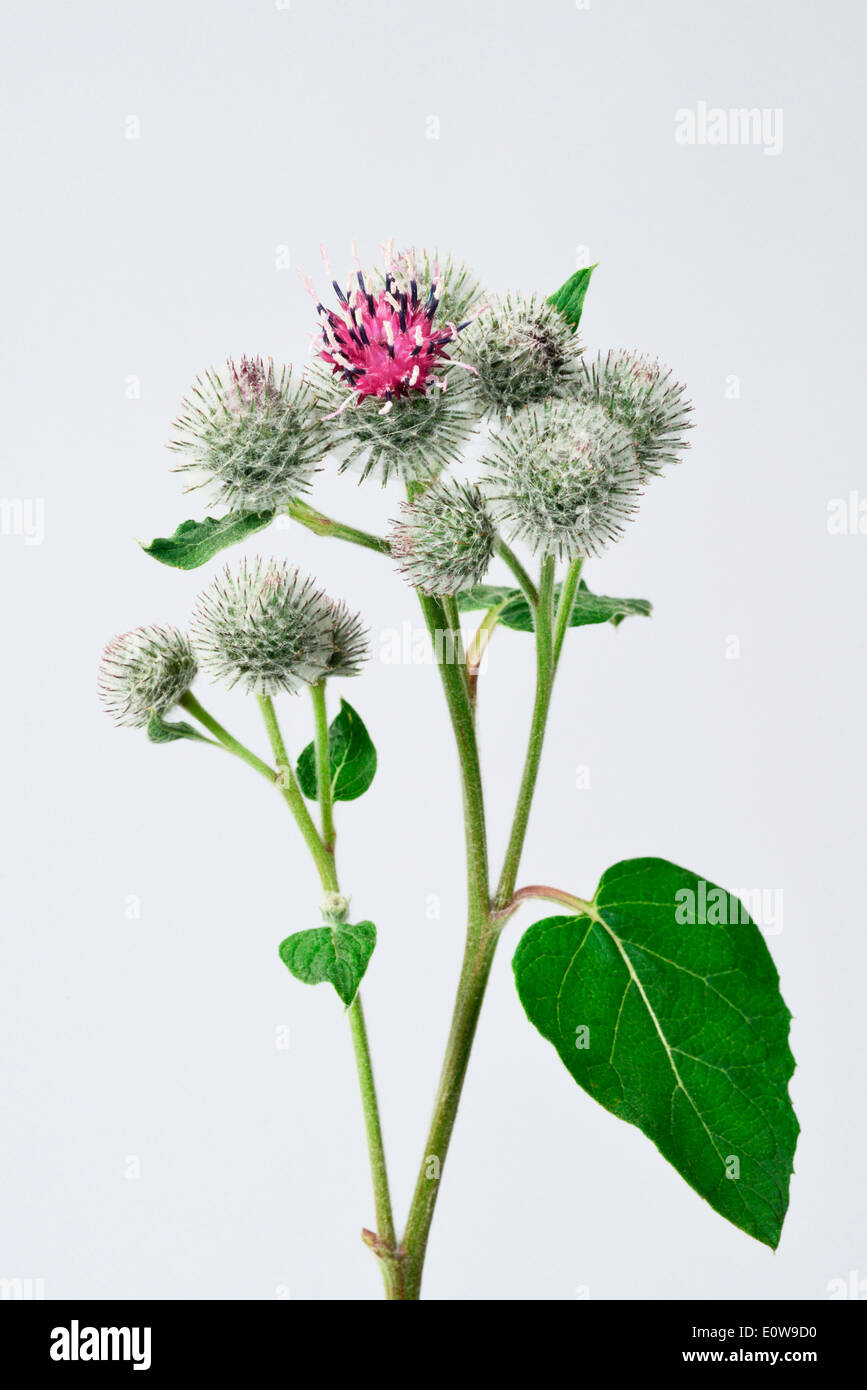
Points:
[(411, 359), (262, 626)]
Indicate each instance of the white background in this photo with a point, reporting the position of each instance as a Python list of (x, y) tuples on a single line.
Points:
[(263, 128)]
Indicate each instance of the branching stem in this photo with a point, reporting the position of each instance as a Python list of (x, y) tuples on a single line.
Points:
[(326, 526), (323, 857)]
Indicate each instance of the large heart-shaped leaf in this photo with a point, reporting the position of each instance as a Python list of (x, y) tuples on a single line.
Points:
[(196, 542), (336, 955), (351, 756), (587, 608), (663, 1001)]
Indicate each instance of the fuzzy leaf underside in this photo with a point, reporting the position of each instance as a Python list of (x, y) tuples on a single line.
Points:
[(351, 756), (160, 730), (335, 955), (588, 608), (196, 542), (569, 299), (687, 1033)]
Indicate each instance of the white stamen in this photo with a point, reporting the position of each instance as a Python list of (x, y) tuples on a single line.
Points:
[(308, 285), (350, 400)]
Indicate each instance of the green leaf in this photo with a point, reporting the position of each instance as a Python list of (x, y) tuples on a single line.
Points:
[(351, 757), (484, 596), (569, 299), (196, 542), (160, 731), (337, 955), (686, 1031), (588, 608)]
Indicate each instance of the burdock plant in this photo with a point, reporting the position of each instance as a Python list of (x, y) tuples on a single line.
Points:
[(657, 990)]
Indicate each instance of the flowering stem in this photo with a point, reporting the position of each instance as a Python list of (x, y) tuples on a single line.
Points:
[(402, 1264), (325, 526), (482, 935), (544, 623), (506, 553), (294, 798), (463, 724), (323, 857), (324, 789), (478, 957), (565, 606), (192, 706)]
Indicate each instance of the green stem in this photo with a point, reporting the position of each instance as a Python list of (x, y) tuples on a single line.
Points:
[(479, 645), (324, 860), (324, 789), (453, 676), (326, 526), (294, 798), (191, 704), (506, 553), (454, 651), (546, 894), (478, 957), (564, 609), (375, 1146), (544, 620), (475, 971), (402, 1267)]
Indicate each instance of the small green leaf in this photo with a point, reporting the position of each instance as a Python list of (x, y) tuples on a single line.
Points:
[(600, 608), (337, 955), (569, 299), (196, 542), (160, 731), (588, 608), (351, 757), (664, 1004)]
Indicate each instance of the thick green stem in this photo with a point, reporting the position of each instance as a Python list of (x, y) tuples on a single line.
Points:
[(544, 620), (324, 790), (475, 971), (478, 956), (453, 676), (454, 650), (506, 553), (565, 606), (326, 526), (402, 1266)]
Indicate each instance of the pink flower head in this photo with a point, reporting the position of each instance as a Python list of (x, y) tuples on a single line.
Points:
[(385, 343)]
